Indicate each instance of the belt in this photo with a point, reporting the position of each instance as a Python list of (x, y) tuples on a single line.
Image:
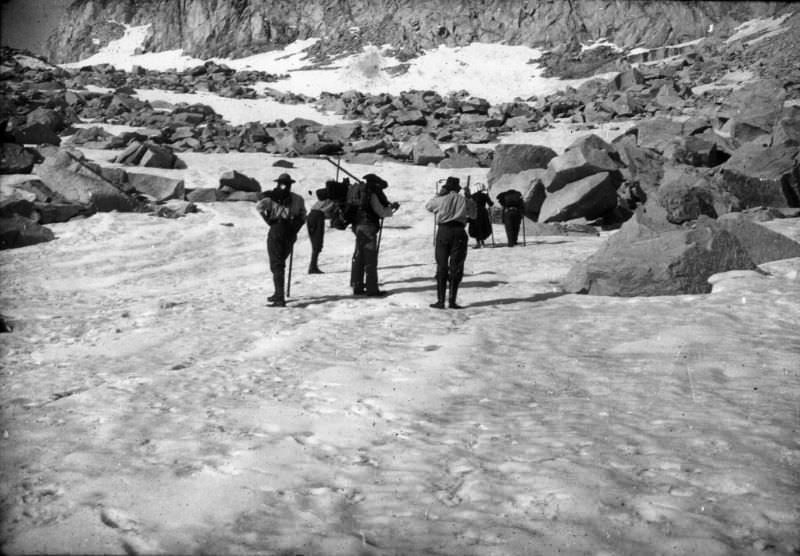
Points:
[(453, 224)]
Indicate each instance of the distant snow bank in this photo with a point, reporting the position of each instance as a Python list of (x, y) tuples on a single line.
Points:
[(769, 25)]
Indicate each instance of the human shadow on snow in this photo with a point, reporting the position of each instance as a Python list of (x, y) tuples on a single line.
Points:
[(507, 301)]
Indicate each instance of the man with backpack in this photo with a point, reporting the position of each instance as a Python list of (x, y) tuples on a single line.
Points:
[(367, 206), (452, 211), (513, 211), (285, 212)]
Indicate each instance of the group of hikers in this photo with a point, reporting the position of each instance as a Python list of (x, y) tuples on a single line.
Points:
[(363, 205)]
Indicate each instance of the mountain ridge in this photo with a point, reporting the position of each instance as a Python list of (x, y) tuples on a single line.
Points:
[(237, 28)]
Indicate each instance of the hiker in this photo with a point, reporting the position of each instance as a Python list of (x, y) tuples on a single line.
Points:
[(513, 211), (285, 212), (452, 212), (480, 227), (369, 211), (320, 211)]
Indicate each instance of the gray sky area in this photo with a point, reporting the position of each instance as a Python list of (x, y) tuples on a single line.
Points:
[(27, 23)]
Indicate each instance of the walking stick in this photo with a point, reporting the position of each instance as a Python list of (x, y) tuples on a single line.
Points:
[(338, 165), (524, 244), (436, 192), (380, 233), (289, 277)]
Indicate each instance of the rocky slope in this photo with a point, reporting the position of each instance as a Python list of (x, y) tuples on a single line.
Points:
[(206, 28)]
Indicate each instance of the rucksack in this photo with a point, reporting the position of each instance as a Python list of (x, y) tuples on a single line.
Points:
[(511, 198), (358, 196)]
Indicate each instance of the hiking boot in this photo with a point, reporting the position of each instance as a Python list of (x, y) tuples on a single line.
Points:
[(278, 303), (359, 291), (454, 305), (437, 305), (273, 297), (315, 271), (378, 293)]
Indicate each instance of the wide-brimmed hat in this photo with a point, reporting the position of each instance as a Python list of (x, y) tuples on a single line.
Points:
[(285, 178), (452, 184), (374, 179)]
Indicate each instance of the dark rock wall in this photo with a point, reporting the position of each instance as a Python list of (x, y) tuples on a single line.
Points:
[(206, 28)]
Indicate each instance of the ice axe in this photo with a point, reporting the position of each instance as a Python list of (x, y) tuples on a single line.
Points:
[(289, 277)]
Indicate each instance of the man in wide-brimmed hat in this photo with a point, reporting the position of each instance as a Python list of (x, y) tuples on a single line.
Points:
[(285, 212), (452, 212), (367, 224)]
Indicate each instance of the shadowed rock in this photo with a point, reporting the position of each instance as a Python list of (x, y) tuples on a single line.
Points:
[(158, 188), (646, 257), (590, 197), (588, 155), (528, 183), (237, 181), (512, 159), (762, 244), (18, 231), (763, 176), (15, 159)]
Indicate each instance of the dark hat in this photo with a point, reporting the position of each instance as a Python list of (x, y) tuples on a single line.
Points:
[(374, 179), (285, 178), (452, 184)]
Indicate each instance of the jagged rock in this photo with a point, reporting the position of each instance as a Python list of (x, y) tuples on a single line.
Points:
[(36, 134), (756, 106), (528, 183), (368, 146), (18, 231), (159, 188), (686, 198), (426, 151), (646, 258), (156, 156), (514, 158), (175, 208), (239, 182), (589, 155), (15, 159), (657, 133), (10, 206), (283, 164), (695, 150), (47, 117), (668, 97), (763, 176), (589, 197), (340, 133), (94, 137), (206, 195), (762, 244), (787, 128), (626, 79), (70, 175), (643, 166)]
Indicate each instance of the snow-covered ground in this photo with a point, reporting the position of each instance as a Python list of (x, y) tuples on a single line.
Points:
[(152, 403)]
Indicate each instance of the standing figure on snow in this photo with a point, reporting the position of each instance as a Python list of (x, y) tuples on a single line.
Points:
[(370, 207), (452, 212), (480, 227), (285, 212), (321, 210), (513, 212)]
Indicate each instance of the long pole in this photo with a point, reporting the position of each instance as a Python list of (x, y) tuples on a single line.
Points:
[(289, 277), (342, 168), (338, 167), (380, 233), (524, 243)]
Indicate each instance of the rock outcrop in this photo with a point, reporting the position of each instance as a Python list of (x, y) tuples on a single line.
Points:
[(209, 28)]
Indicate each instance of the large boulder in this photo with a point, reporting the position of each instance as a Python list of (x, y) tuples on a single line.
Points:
[(643, 166), (18, 231), (647, 257), (426, 151), (236, 181), (590, 197), (686, 198), (206, 195), (514, 158), (36, 134), (16, 159), (47, 117), (756, 106), (762, 244), (763, 176), (587, 156), (78, 181), (787, 128), (657, 133), (158, 188)]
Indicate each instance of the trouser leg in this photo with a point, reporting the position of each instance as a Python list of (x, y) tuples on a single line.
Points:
[(458, 255)]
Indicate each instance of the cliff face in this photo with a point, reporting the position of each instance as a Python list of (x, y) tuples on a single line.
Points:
[(206, 28)]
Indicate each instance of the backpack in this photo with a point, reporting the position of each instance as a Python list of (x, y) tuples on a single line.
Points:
[(358, 196), (511, 198)]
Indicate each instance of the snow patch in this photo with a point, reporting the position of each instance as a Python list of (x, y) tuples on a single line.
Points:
[(762, 25)]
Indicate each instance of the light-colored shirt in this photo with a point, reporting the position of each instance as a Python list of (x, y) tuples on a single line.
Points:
[(272, 212), (325, 206), (451, 207)]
